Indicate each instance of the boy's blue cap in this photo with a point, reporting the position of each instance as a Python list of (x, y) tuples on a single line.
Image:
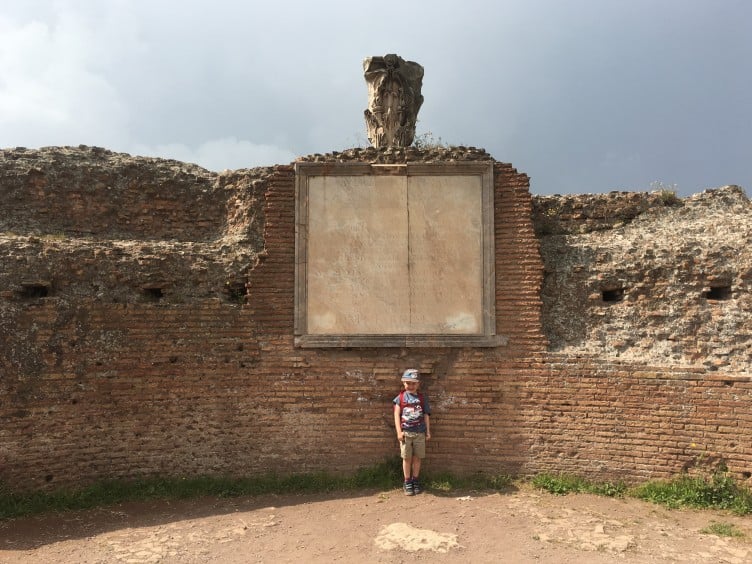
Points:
[(410, 375)]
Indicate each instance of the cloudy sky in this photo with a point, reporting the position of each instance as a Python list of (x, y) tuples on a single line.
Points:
[(582, 95)]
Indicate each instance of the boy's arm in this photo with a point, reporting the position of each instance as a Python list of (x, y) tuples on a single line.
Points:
[(427, 419), (398, 422)]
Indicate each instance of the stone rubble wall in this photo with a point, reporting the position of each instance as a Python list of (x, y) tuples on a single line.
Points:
[(69, 192), (660, 257), (163, 343)]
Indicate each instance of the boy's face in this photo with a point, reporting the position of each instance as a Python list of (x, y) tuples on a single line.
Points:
[(411, 386)]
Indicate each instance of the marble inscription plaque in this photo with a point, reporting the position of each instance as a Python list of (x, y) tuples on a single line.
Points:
[(445, 254), (394, 255), (357, 257)]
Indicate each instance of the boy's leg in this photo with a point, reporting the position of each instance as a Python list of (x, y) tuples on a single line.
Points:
[(407, 464), (419, 451), (415, 467), (406, 468), (406, 451), (416, 473)]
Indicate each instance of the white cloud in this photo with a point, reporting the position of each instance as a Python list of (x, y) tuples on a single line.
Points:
[(26, 83), (53, 85), (220, 154)]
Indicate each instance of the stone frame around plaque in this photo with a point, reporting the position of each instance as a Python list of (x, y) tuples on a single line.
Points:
[(356, 282)]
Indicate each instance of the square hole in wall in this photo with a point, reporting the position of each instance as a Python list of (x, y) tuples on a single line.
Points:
[(33, 291), (236, 292), (152, 294), (717, 293), (612, 295)]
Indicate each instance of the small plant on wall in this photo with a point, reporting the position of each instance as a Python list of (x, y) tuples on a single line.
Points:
[(424, 141), (667, 193)]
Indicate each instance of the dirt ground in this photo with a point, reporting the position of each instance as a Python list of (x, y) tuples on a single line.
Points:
[(524, 525)]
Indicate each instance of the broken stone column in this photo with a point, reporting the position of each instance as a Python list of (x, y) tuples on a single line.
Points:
[(394, 99)]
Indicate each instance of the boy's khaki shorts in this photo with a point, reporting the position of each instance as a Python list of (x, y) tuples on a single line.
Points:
[(413, 445)]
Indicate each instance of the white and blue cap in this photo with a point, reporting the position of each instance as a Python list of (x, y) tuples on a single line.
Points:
[(410, 375)]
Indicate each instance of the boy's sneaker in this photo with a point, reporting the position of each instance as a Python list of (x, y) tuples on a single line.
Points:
[(409, 488), (416, 487)]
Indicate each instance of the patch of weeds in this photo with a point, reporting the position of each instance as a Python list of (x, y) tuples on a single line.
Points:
[(500, 481), (718, 491), (424, 141), (383, 475), (447, 482), (666, 193), (668, 197), (722, 530), (562, 484), (314, 482), (608, 489), (441, 482)]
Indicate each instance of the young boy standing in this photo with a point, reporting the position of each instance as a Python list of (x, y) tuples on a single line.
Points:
[(412, 420)]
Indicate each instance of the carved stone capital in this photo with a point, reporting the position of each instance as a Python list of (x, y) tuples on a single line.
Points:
[(394, 99)]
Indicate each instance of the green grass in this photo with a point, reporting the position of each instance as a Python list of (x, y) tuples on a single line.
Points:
[(562, 484), (385, 475), (445, 482), (722, 530), (717, 491)]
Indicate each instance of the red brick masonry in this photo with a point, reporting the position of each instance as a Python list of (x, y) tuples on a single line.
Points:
[(102, 379)]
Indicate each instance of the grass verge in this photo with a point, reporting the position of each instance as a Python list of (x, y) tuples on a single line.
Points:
[(562, 484), (386, 475), (445, 482), (14, 504), (716, 491)]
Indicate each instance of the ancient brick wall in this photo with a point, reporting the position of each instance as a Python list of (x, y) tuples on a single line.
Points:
[(156, 337), (619, 420), (138, 360)]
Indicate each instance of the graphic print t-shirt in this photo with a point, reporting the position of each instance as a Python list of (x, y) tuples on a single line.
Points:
[(413, 412)]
